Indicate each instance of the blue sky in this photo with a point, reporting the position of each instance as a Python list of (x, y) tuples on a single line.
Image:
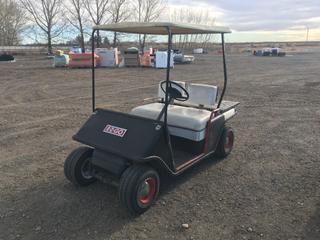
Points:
[(253, 20)]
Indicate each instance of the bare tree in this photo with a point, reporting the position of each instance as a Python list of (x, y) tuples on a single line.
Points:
[(98, 12), (147, 11), (47, 14), (201, 17), (119, 12), (12, 21), (76, 17)]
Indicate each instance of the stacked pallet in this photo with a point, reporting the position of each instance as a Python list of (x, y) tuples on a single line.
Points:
[(161, 59), (107, 57), (131, 57), (82, 60), (61, 59), (146, 59)]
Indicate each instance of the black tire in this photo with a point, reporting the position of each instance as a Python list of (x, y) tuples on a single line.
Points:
[(77, 166), (133, 184), (225, 144)]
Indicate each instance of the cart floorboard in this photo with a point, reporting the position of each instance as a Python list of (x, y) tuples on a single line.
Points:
[(181, 157)]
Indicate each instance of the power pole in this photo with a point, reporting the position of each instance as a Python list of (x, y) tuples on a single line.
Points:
[(307, 38)]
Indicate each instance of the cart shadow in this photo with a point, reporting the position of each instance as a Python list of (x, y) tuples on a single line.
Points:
[(59, 210)]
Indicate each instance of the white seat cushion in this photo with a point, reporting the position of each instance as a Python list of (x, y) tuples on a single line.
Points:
[(199, 94), (183, 121), (202, 94)]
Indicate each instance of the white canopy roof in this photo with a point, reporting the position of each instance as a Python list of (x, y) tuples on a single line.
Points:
[(160, 28)]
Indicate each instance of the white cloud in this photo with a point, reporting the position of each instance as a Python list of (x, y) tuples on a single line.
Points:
[(280, 19)]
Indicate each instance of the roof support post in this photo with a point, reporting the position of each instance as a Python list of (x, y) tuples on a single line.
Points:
[(168, 74), (224, 69), (166, 104), (93, 71)]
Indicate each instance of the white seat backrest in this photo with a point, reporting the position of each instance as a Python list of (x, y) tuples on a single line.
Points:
[(161, 93), (202, 94)]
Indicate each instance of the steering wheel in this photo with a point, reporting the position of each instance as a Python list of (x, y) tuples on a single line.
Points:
[(174, 92)]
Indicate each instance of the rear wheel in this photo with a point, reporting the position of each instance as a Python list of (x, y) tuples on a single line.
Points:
[(225, 144), (77, 166), (139, 188)]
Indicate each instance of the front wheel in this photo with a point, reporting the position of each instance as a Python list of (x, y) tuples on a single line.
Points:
[(225, 144), (77, 166), (139, 188)]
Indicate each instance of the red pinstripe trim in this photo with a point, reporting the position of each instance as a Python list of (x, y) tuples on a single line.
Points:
[(189, 162), (206, 142)]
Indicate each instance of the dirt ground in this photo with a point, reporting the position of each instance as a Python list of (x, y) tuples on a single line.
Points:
[(268, 188)]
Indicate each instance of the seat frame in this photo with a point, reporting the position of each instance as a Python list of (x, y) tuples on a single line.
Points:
[(176, 114)]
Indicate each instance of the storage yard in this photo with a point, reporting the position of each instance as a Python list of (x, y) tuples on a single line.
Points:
[(268, 188)]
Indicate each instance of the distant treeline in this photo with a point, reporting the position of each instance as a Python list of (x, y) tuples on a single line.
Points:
[(54, 20)]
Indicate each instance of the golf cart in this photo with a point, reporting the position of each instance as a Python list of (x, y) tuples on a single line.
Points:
[(186, 124)]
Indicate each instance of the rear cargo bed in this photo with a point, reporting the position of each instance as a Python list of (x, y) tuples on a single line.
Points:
[(227, 105)]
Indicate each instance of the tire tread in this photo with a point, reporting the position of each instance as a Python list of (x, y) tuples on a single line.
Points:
[(70, 165), (128, 185)]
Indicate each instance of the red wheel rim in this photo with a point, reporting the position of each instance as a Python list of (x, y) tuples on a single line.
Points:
[(147, 190), (229, 141)]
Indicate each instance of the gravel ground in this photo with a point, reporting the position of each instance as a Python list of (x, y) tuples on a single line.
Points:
[(268, 188)]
